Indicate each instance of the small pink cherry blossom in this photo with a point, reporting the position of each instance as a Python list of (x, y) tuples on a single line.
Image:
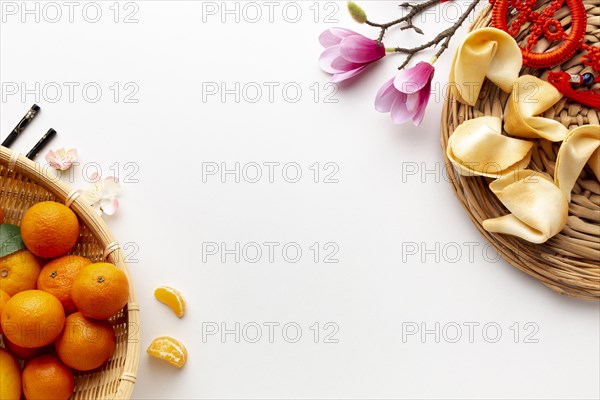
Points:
[(102, 195), (61, 159)]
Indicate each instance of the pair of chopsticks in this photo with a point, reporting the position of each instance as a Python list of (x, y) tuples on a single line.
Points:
[(25, 121)]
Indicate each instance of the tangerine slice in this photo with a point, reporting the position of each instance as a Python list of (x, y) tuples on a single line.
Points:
[(172, 298), (168, 349)]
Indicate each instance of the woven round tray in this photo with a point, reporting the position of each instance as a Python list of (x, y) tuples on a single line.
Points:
[(569, 263), (24, 183)]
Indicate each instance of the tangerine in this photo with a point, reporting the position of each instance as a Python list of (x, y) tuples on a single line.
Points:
[(57, 278), (4, 297), (49, 229), (45, 377), (19, 271), (32, 318), (10, 376), (23, 353), (100, 290), (85, 344)]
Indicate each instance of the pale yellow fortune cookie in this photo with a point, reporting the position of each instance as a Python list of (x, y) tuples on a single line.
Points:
[(478, 148), (530, 97), (581, 146), (486, 52), (538, 208)]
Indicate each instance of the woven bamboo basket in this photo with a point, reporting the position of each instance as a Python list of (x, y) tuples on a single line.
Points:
[(569, 263), (24, 183)]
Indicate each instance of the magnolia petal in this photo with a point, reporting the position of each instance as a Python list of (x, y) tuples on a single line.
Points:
[(334, 36), (532, 96), (399, 113), (422, 105), (327, 58), (412, 80), (342, 76), (581, 146), (538, 208), (478, 148), (340, 64), (486, 52), (412, 102), (386, 96), (360, 49)]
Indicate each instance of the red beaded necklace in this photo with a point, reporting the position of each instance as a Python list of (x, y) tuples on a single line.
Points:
[(544, 24)]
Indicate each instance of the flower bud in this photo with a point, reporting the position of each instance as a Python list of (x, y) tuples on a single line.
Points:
[(357, 13)]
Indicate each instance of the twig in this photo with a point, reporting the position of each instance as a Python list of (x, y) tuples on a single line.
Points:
[(414, 10), (444, 36)]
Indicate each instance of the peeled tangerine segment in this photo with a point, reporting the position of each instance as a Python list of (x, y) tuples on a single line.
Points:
[(172, 298), (168, 349)]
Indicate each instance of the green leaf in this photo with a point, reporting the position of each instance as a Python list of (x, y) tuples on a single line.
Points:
[(10, 239)]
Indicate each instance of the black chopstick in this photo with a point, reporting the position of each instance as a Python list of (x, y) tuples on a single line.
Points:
[(41, 144), (33, 111)]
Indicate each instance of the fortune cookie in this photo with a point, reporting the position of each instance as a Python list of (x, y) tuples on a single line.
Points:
[(478, 148), (486, 52), (538, 208), (581, 146), (530, 97)]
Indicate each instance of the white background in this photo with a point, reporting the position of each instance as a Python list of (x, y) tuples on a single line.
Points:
[(383, 204)]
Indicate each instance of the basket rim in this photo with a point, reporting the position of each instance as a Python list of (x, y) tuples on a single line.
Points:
[(20, 164), (544, 268)]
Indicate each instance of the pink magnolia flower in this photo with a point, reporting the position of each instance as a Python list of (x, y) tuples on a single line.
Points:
[(406, 96), (61, 159), (347, 53)]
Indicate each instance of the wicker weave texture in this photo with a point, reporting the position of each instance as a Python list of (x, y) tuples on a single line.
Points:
[(24, 183), (569, 263)]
